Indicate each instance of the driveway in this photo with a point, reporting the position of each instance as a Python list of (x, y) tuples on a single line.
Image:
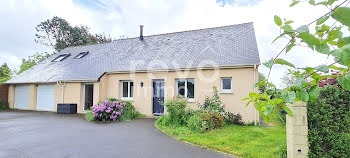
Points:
[(45, 134)]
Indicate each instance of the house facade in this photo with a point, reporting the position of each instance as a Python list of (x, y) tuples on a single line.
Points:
[(147, 71)]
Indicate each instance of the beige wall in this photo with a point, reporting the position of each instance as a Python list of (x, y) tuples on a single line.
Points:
[(11, 96), (73, 93), (109, 86), (32, 96), (242, 83)]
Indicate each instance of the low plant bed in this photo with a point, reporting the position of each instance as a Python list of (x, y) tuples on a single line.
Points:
[(212, 127), (238, 140), (111, 110)]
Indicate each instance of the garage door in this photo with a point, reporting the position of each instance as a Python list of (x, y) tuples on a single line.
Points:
[(21, 97), (45, 100)]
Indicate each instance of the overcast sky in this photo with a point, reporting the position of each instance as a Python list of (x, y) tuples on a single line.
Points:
[(123, 17)]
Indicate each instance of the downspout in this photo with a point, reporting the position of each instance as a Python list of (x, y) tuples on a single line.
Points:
[(59, 83), (254, 90)]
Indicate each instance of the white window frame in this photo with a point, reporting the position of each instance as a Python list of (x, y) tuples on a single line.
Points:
[(222, 85), (186, 91), (129, 90)]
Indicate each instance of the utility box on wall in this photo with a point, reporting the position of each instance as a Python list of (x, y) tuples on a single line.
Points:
[(66, 108)]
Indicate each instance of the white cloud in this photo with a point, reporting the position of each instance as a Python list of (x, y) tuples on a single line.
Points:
[(122, 17)]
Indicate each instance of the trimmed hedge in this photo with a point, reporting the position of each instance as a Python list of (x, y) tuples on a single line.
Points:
[(329, 123)]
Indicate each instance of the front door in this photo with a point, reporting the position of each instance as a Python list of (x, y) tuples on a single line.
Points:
[(158, 97), (88, 96)]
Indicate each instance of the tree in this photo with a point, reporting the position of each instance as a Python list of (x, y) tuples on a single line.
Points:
[(32, 60), (5, 73), (262, 87), (59, 34), (327, 37), (288, 80)]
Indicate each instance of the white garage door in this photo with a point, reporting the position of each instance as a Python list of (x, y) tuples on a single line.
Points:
[(21, 97), (45, 100)]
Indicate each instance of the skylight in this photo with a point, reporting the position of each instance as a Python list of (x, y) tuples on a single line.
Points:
[(81, 55), (60, 57)]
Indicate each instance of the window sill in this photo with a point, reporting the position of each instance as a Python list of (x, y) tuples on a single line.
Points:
[(128, 99), (226, 92), (191, 100)]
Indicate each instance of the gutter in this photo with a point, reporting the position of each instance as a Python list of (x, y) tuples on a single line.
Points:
[(185, 68), (59, 83)]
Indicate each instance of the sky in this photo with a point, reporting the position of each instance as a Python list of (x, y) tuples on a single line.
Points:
[(123, 17)]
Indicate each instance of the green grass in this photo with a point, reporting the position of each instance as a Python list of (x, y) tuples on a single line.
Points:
[(241, 141)]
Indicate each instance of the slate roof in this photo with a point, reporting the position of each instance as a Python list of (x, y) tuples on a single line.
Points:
[(220, 46)]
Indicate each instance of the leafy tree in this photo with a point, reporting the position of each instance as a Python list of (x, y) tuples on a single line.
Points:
[(5, 73), (288, 80), (262, 87), (59, 34), (324, 35), (32, 60)]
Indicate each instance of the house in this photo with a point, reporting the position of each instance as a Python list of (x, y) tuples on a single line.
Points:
[(146, 70)]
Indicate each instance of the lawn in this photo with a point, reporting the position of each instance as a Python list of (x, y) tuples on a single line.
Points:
[(240, 141)]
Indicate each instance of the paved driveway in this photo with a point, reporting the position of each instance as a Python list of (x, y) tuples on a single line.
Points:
[(48, 135)]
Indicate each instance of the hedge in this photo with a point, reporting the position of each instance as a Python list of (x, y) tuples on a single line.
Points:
[(329, 123)]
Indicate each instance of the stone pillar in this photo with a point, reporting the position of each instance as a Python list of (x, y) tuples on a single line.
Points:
[(297, 146)]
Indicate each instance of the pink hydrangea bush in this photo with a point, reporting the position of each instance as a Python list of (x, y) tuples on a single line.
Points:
[(107, 111)]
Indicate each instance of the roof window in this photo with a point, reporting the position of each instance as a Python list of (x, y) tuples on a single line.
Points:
[(81, 55), (60, 57)]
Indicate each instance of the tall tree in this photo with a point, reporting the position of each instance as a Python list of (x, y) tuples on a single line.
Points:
[(262, 87), (5, 73), (59, 34)]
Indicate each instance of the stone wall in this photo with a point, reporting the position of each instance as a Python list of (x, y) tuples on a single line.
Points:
[(297, 129)]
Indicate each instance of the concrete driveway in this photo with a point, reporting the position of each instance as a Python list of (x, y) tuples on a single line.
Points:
[(45, 134)]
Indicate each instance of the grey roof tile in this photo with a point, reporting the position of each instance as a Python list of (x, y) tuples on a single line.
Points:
[(227, 45)]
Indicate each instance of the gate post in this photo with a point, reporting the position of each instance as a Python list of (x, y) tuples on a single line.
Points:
[(297, 131)]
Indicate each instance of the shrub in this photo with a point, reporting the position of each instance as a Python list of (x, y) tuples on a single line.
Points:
[(214, 120), (329, 123), (129, 111), (89, 116), (114, 110), (4, 105), (195, 123), (107, 111), (231, 118), (176, 109), (213, 103)]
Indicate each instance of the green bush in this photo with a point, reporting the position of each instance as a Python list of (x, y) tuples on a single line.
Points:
[(89, 116), (213, 119), (129, 111), (4, 105), (213, 103), (195, 123), (329, 123), (231, 118), (176, 109)]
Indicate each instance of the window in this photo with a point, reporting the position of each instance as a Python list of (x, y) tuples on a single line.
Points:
[(60, 57), (226, 84), (127, 89), (80, 55), (185, 88)]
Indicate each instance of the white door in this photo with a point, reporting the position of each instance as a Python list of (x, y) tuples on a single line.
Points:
[(21, 97), (45, 98)]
